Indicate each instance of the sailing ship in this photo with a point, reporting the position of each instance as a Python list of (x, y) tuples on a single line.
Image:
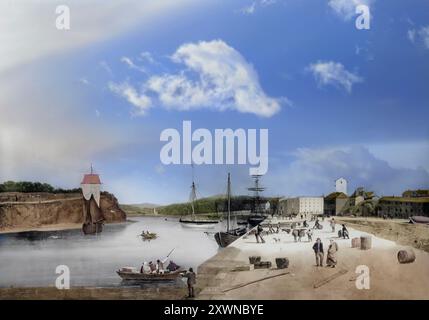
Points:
[(224, 239), (93, 217), (257, 215), (193, 221)]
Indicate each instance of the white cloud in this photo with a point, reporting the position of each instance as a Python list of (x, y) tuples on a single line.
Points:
[(251, 8), (216, 76), (346, 9), (334, 73), (140, 101), (28, 32), (147, 56), (421, 35), (313, 172), (411, 35), (130, 63), (84, 81)]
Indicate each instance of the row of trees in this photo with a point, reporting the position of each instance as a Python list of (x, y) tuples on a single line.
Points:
[(27, 186)]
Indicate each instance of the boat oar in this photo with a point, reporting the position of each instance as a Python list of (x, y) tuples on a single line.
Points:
[(170, 252)]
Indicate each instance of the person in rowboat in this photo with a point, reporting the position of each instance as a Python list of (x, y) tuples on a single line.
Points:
[(152, 267), (160, 265), (145, 268)]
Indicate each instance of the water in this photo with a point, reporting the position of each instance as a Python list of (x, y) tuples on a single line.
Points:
[(30, 259)]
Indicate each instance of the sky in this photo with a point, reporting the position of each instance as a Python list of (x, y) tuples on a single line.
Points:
[(337, 101)]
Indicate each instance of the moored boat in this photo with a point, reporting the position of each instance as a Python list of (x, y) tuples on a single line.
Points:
[(419, 219), (193, 220), (224, 239), (257, 217)]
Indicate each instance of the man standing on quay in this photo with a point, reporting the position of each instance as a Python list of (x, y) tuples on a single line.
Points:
[(318, 251)]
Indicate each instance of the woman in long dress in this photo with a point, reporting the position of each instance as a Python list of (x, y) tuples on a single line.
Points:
[(331, 259)]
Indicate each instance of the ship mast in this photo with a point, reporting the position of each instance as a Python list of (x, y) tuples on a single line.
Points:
[(256, 189), (193, 195), (229, 202)]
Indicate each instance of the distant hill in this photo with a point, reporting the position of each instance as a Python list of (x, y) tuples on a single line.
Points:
[(212, 204), (145, 205)]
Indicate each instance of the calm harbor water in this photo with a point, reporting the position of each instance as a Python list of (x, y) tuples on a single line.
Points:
[(30, 258)]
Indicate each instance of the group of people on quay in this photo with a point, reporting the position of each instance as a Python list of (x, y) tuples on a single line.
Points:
[(301, 228)]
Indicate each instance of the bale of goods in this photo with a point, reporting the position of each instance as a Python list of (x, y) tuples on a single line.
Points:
[(262, 265), (254, 259), (356, 243), (406, 256), (282, 263), (365, 242)]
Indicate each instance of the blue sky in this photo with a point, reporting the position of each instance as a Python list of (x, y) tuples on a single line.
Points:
[(337, 101)]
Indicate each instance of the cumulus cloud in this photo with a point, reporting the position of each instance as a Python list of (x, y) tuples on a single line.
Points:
[(313, 172), (334, 73), (421, 34), (346, 9), (214, 76)]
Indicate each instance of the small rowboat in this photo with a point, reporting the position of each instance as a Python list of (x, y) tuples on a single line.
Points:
[(127, 274), (149, 236)]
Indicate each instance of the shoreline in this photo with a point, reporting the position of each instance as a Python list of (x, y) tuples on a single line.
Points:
[(50, 227), (93, 293)]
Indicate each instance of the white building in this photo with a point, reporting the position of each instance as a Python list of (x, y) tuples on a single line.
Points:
[(301, 205), (341, 185)]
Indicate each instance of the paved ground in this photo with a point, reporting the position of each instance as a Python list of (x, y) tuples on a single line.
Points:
[(388, 278)]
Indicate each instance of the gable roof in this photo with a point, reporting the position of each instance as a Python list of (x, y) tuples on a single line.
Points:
[(91, 178)]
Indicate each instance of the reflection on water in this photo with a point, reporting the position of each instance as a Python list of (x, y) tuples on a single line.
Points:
[(30, 258)]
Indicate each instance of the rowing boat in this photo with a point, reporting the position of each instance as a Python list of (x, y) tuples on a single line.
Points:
[(132, 274)]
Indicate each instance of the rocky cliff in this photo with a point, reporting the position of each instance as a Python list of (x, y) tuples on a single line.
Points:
[(21, 210)]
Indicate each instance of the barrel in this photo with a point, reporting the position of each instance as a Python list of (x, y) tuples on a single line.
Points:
[(356, 243), (254, 259), (365, 242), (406, 256), (282, 263)]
